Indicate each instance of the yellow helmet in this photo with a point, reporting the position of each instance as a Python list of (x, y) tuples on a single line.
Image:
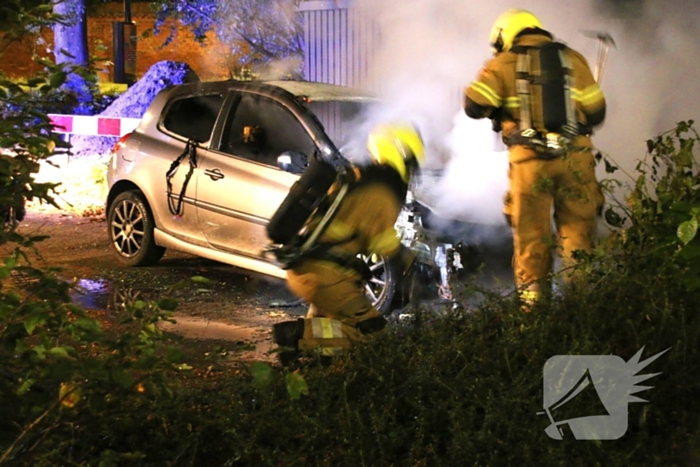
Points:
[(399, 146), (507, 26)]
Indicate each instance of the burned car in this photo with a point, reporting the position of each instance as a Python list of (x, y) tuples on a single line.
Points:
[(211, 162)]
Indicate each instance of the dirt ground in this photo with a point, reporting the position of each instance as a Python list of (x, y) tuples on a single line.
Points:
[(234, 313)]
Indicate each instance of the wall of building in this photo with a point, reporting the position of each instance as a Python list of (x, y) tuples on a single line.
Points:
[(207, 61), (338, 39)]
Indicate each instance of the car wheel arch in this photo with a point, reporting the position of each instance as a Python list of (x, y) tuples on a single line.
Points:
[(119, 188)]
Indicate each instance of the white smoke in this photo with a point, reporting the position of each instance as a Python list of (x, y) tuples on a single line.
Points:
[(428, 50)]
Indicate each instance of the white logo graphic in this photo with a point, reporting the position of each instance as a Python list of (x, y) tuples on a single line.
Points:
[(586, 396)]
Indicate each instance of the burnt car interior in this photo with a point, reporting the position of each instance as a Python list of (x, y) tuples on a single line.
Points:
[(261, 129)]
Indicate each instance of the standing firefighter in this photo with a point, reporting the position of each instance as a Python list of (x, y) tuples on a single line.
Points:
[(329, 275), (543, 98)]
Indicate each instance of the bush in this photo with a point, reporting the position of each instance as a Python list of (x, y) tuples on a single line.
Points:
[(60, 370)]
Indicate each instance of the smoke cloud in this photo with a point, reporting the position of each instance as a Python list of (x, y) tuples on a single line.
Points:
[(429, 50)]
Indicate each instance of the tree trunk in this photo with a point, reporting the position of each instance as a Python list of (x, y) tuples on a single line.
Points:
[(71, 45)]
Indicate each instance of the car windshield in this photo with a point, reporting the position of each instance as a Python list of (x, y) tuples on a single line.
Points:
[(344, 122)]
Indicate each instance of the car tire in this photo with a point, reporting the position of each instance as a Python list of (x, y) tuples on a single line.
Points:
[(381, 288), (130, 226)]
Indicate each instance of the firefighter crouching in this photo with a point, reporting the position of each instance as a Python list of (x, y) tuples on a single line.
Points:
[(543, 98), (330, 276)]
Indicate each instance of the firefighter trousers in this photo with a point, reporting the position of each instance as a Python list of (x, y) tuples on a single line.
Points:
[(335, 294), (566, 186)]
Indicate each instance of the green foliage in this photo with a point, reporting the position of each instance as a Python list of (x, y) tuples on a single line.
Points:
[(26, 139), (61, 371), (296, 385), (19, 18), (663, 207), (461, 389)]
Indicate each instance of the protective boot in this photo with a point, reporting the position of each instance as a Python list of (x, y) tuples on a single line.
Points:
[(288, 333)]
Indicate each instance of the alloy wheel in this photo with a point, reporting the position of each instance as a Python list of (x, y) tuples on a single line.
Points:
[(128, 228), (377, 287)]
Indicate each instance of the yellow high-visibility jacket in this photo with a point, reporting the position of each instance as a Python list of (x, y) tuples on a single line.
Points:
[(493, 94), (364, 223)]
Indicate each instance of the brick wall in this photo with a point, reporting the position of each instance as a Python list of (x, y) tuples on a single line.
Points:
[(208, 61)]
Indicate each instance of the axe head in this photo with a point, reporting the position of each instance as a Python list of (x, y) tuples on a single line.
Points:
[(604, 37)]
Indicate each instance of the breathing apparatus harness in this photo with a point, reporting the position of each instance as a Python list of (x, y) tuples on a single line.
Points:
[(551, 133), (304, 243), (191, 152), (318, 193)]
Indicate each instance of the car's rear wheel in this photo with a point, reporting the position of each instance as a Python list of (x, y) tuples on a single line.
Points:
[(130, 227), (381, 288)]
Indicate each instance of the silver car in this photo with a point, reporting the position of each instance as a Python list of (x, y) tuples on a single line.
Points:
[(202, 173), (211, 162)]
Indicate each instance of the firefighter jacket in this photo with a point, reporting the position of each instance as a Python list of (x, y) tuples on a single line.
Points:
[(364, 222), (494, 95)]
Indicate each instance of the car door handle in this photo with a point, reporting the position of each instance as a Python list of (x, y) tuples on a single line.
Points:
[(214, 174)]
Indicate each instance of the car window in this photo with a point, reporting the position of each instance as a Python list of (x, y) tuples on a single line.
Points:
[(260, 129), (193, 117)]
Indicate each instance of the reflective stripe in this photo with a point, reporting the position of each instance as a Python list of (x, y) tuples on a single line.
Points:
[(512, 102), (488, 93), (589, 96), (326, 337), (326, 328), (529, 296)]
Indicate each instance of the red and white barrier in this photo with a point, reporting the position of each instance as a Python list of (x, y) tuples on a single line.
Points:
[(93, 125)]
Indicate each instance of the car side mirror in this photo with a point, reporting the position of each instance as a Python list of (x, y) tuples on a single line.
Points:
[(293, 162)]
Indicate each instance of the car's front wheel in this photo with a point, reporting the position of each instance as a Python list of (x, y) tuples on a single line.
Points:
[(381, 288), (130, 226)]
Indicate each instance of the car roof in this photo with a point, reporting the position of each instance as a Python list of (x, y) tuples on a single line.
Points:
[(322, 91), (303, 90)]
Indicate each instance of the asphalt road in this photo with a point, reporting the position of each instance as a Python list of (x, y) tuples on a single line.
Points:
[(237, 307)]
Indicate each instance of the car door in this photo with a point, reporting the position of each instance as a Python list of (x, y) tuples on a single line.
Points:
[(168, 175), (239, 185)]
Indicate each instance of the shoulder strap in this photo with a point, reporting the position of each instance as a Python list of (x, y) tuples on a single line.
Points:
[(522, 87), (313, 237), (571, 123)]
